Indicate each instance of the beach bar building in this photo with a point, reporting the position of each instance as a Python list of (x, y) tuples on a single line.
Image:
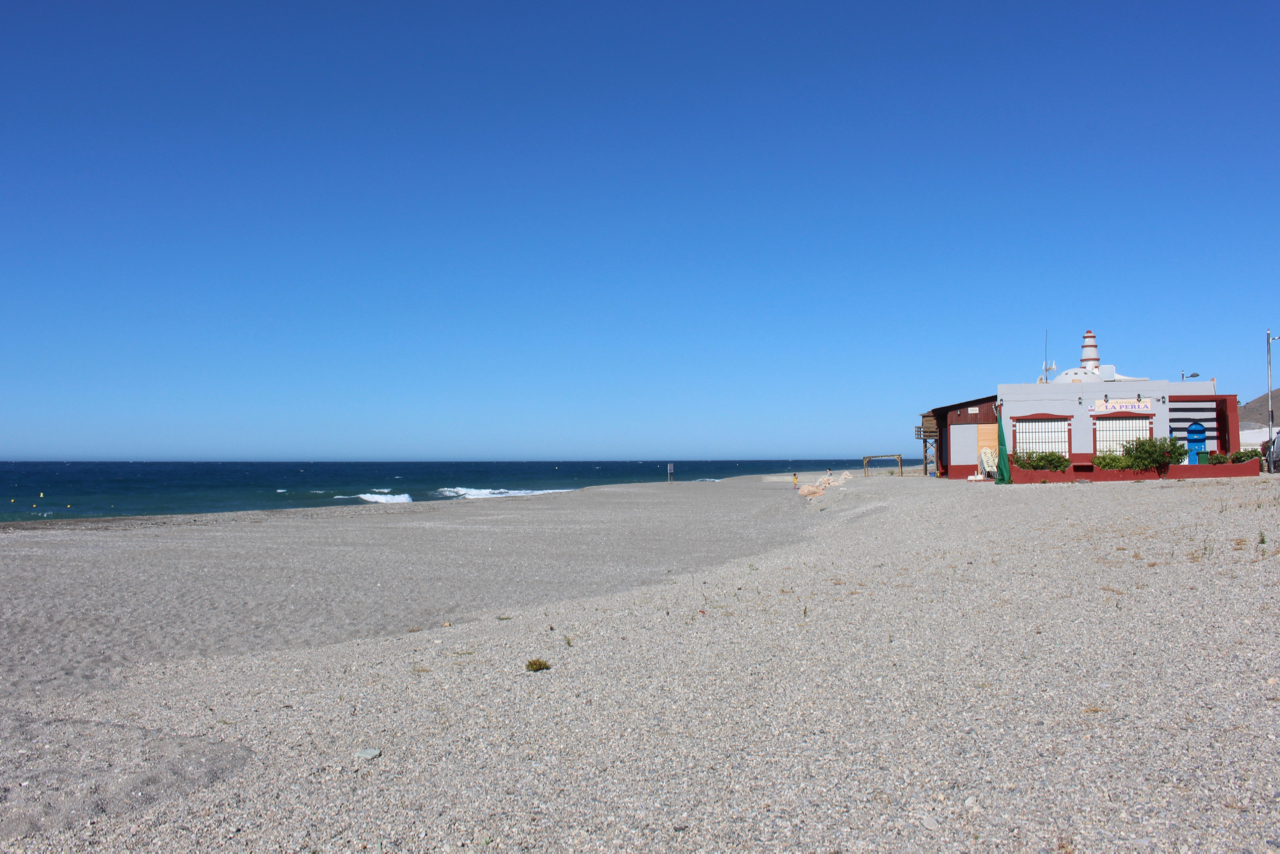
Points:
[(1091, 410), (963, 430)]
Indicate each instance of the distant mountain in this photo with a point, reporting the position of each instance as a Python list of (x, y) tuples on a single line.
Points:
[(1256, 409)]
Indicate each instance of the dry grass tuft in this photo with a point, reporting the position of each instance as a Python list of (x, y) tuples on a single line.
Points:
[(536, 664)]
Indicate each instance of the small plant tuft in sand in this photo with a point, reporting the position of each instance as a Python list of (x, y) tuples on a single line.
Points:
[(536, 664)]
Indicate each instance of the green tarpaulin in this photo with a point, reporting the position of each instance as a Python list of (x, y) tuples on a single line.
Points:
[(1003, 475)]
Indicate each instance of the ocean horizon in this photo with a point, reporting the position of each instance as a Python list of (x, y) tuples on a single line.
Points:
[(37, 491)]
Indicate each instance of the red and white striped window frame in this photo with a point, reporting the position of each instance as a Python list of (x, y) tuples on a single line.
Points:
[(1121, 427), (1042, 432)]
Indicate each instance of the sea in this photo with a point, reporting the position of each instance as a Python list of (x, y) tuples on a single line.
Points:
[(31, 491)]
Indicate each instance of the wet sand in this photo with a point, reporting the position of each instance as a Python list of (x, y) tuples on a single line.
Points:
[(901, 663)]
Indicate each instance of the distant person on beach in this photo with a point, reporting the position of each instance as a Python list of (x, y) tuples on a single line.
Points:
[(795, 481)]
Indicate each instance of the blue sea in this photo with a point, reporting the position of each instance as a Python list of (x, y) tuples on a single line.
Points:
[(68, 490)]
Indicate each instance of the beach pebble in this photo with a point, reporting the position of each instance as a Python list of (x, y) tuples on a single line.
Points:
[(930, 823), (368, 753)]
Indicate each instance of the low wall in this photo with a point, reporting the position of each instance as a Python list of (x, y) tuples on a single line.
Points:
[(1110, 475), (1249, 468), (1033, 476)]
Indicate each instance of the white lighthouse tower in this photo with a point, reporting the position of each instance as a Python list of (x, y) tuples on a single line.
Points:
[(1091, 369), (1089, 352)]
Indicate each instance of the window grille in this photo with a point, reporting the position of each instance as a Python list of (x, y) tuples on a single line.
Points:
[(1114, 432), (1043, 435)]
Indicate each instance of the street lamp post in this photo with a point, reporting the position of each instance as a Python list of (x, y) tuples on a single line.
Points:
[(1185, 375), (1271, 416)]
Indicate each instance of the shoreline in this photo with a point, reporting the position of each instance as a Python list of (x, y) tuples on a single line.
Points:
[(113, 490), (338, 510), (901, 664), (302, 578)]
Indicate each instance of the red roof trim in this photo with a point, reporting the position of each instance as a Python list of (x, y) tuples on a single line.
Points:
[(1041, 416)]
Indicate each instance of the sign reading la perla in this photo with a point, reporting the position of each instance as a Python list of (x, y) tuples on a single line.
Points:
[(1122, 405)]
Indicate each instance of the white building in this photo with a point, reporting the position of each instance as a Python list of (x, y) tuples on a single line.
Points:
[(1093, 409)]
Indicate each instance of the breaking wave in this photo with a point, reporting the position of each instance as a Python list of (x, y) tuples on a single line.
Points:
[(464, 492), (381, 499)]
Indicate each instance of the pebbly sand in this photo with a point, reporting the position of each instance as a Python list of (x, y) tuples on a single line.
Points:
[(901, 664)]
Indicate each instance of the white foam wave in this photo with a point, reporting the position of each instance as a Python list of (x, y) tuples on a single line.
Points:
[(381, 499), (380, 490), (707, 480), (280, 490), (465, 492)]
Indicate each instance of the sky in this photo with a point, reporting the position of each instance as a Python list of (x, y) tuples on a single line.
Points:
[(553, 230)]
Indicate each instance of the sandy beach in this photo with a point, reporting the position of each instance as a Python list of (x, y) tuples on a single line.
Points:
[(899, 664)]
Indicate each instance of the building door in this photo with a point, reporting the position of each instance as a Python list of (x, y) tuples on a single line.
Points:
[(1195, 442), (989, 437)]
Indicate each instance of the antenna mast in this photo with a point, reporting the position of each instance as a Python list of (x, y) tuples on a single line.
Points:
[(1046, 367)]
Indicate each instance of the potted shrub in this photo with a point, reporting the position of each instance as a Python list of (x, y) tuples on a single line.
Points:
[(1158, 454), (1042, 461)]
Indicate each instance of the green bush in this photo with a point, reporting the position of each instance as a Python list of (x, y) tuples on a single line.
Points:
[(1145, 455), (1042, 461), (1158, 454), (1111, 462), (1216, 459), (1245, 456)]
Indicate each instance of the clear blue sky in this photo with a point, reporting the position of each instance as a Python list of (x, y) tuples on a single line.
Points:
[(549, 230)]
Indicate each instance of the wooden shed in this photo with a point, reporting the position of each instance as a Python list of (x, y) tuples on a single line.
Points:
[(963, 430)]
